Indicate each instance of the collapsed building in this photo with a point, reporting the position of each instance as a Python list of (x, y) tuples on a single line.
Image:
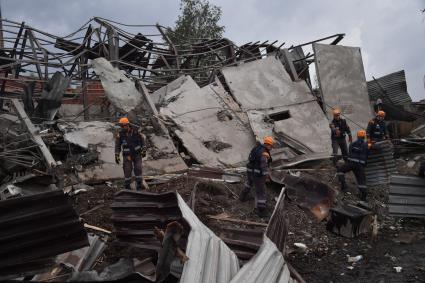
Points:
[(205, 104)]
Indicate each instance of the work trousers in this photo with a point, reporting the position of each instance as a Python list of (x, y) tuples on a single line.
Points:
[(359, 172), (259, 182), (342, 144), (129, 164)]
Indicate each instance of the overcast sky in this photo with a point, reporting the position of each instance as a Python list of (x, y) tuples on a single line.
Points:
[(390, 33)]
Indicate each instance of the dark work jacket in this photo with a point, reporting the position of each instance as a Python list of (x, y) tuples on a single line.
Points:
[(130, 141), (376, 130), (259, 161), (358, 152), (342, 126)]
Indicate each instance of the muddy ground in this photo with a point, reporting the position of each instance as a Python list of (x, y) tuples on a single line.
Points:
[(400, 242)]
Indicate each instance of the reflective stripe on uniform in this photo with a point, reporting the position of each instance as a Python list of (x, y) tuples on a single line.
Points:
[(362, 186), (356, 160), (127, 179), (340, 173), (138, 177), (262, 201), (137, 147), (126, 150), (253, 170)]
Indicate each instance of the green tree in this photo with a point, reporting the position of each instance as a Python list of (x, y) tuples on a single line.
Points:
[(198, 20)]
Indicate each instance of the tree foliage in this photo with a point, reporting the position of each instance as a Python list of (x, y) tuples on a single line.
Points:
[(198, 20)]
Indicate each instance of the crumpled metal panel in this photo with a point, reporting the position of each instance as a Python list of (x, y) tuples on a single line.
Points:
[(35, 228), (380, 164), (407, 196), (210, 259), (395, 88)]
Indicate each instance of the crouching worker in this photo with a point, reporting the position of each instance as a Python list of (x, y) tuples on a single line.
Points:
[(357, 156), (257, 173), (131, 141)]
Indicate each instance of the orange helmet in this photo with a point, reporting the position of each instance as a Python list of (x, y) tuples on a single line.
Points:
[(336, 111), (361, 134), (381, 113), (268, 140), (124, 121)]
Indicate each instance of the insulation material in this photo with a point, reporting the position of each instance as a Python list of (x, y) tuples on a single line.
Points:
[(211, 131), (276, 104), (120, 90), (343, 83)]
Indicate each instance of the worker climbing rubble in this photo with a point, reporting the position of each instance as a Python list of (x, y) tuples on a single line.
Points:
[(132, 142), (376, 129), (339, 130), (258, 171), (357, 157)]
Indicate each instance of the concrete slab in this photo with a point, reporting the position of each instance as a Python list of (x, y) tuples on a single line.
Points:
[(278, 106), (209, 129), (102, 134), (181, 84), (343, 83), (119, 89)]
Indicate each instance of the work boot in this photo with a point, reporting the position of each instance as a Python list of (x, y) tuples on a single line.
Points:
[(363, 196), (138, 186), (127, 187), (243, 197), (261, 212)]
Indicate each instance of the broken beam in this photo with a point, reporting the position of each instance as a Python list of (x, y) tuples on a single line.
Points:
[(238, 221), (51, 163)]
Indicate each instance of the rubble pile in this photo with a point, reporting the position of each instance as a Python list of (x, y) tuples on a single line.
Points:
[(66, 217)]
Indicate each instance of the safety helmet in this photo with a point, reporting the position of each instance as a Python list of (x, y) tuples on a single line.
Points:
[(268, 140), (381, 114), (123, 121), (361, 134)]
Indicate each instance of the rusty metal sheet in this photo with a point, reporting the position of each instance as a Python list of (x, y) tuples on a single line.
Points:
[(35, 228), (380, 164), (306, 192)]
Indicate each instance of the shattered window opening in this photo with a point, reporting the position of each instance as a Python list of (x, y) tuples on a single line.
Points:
[(279, 116)]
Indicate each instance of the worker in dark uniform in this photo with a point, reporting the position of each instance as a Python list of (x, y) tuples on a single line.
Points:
[(357, 157), (258, 171), (376, 129), (339, 129), (131, 141)]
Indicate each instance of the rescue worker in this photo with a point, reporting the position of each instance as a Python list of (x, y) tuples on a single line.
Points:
[(131, 141), (339, 129), (376, 129), (258, 171), (357, 157)]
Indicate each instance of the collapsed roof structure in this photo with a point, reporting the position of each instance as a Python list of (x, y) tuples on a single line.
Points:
[(204, 103)]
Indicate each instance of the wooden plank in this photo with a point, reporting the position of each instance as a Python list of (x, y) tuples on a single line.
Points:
[(50, 161)]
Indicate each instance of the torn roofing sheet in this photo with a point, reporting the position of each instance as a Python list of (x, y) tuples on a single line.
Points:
[(391, 88), (264, 89), (120, 90), (210, 259), (101, 134), (343, 83), (209, 129), (181, 84)]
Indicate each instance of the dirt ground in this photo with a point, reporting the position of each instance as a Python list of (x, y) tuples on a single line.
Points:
[(401, 242)]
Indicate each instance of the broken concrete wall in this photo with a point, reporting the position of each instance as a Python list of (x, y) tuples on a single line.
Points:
[(209, 129), (343, 83), (101, 134), (263, 88), (181, 84), (120, 90)]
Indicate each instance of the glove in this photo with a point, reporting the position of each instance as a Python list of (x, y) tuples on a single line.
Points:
[(117, 159), (143, 153), (350, 139)]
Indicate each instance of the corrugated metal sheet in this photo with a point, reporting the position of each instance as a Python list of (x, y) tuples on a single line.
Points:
[(407, 196), (136, 214), (394, 86), (244, 242), (380, 164), (35, 228)]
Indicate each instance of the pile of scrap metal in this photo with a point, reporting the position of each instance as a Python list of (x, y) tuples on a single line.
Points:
[(178, 245)]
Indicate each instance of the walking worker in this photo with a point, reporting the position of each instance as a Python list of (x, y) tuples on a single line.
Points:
[(376, 129), (258, 171), (356, 162), (131, 141), (339, 129)]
